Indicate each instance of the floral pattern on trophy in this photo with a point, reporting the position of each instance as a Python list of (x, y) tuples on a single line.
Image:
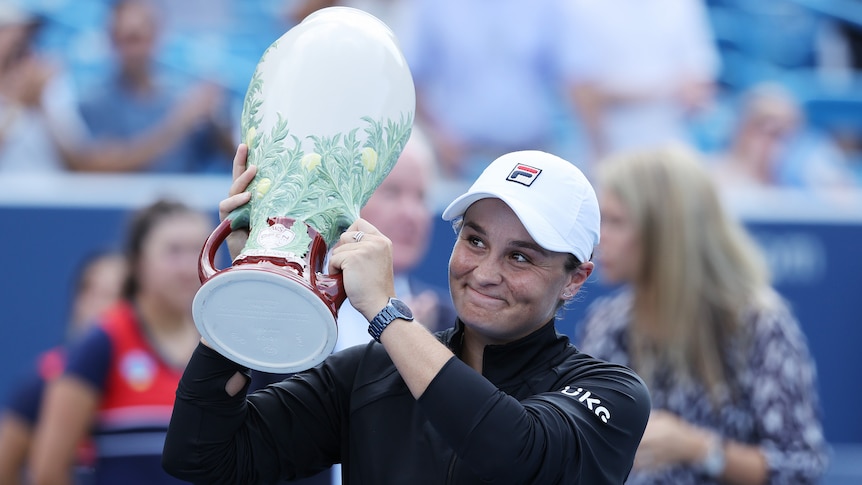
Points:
[(324, 188)]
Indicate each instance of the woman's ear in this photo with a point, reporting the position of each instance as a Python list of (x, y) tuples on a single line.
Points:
[(578, 278)]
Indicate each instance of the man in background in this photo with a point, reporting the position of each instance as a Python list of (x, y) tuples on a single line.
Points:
[(401, 210)]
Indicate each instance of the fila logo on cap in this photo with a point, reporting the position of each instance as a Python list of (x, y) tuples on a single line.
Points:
[(524, 174)]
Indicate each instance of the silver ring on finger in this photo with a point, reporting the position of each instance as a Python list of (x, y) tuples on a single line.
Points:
[(358, 236)]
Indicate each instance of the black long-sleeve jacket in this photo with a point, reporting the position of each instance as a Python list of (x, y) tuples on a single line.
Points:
[(541, 413)]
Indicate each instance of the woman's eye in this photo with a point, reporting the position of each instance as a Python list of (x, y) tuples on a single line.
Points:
[(519, 257), (475, 241)]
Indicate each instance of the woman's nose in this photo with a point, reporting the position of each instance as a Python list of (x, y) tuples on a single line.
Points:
[(487, 270)]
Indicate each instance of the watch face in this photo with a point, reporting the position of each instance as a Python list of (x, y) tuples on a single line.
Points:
[(402, 308)]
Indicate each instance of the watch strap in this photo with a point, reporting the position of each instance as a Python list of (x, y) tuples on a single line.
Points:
[(387, 315), (382, 320)]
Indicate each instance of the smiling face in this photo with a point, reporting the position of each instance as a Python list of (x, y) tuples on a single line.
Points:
[(504, 285)]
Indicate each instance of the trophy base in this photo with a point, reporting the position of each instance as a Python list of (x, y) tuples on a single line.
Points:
[(264, 321)]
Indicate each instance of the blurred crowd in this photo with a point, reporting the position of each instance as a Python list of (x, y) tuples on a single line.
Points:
[(761, 94), (156, 86)]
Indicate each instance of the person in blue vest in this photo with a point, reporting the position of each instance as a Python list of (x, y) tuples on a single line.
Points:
[(120, 377), (190, 123)]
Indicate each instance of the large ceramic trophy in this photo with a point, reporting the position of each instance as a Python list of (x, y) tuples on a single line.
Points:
[(325, 117)]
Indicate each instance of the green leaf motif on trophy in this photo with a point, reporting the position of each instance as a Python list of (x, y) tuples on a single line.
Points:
[(324, 185)]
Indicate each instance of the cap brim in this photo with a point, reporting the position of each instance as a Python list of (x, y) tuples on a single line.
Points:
[(545, 234)]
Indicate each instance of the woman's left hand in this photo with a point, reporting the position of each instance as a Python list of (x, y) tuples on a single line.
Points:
[(669, 440)]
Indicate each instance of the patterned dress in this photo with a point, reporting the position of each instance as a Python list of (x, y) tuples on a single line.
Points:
[(771, 400)]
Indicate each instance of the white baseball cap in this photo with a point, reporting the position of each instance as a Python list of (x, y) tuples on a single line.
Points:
[(552, 198)]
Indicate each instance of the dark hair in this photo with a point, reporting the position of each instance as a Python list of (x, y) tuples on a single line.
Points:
[(572, 262), (140, 227)]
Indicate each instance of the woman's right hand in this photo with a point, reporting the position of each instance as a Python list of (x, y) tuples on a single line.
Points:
[(243, 174)]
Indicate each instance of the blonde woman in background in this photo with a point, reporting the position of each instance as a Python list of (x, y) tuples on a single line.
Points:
[(732, 381)]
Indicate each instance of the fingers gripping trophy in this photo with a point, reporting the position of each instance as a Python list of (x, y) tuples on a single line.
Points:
[(325, 117)]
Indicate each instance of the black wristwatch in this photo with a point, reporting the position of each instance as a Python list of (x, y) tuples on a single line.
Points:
[(393, 310)]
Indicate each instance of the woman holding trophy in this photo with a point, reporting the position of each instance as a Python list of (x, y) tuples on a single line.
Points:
[(501, 397)]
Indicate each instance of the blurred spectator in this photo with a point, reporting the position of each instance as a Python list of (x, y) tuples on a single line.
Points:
[(400, 209), (134, 101), (772, 145), (643, 68), (96, 288), (489, 78), (35, 103), (121, 376), (732, 382), (41, 128)]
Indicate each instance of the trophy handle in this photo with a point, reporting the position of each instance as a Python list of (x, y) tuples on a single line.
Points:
[(237, 219), (330, 287), (206, 263)]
